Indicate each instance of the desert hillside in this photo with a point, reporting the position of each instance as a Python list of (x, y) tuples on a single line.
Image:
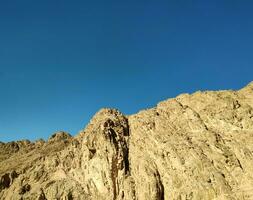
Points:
[(195, 146)]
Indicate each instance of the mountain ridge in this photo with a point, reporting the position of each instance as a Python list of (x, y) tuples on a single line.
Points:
[(193, 146)]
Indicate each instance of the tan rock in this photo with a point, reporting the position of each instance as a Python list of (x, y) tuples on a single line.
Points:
[(196, 146)]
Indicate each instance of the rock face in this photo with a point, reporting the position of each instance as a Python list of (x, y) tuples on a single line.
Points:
[(197, 146)]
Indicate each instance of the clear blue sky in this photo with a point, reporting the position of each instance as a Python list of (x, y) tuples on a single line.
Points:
[(61, 61)]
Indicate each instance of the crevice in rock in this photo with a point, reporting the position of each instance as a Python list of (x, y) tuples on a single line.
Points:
[(7, 179), (70, 196), (114, 175), (92, 153), (112, 136), (42, 195), (25, 188), (240, 165), (126, 161), (159, 187)]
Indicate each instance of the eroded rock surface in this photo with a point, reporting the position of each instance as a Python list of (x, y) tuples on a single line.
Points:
[(196, 146)]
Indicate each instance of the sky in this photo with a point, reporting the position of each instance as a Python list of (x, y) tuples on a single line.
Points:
[(61, 61)]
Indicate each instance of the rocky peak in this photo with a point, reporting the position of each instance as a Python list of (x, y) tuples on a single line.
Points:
[(58, 136)]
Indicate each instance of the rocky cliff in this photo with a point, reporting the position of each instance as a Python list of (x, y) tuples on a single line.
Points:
[(197, 146)]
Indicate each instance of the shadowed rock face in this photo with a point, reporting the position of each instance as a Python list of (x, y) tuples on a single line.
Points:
[(196, 146)]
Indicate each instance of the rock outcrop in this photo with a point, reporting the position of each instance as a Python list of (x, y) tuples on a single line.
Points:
[(197, 146)]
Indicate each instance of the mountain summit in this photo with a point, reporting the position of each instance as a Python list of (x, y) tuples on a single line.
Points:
[(194, 146)]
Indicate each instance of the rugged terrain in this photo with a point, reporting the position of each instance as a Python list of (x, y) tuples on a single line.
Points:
[(197, 146)]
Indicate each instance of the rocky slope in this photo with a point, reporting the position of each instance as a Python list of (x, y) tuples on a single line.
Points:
[(197, 146)]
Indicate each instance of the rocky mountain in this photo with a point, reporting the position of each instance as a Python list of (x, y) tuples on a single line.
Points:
[(194, 146)]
